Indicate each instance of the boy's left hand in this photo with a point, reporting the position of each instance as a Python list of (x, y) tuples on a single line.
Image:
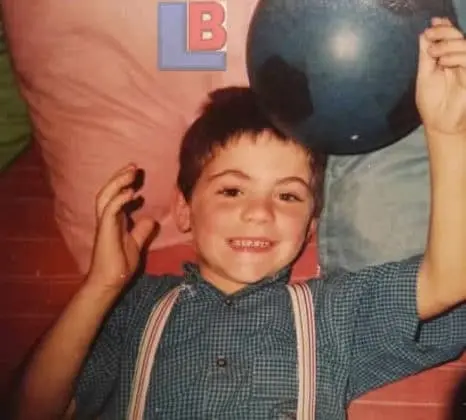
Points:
[(441, 81)]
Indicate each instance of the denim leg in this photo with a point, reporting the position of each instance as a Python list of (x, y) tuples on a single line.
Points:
[(377, 206)]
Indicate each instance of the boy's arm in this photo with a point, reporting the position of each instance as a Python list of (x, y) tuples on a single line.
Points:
[(48, 384), (441, 98), (47, 388), (442, 275), (370, 327)]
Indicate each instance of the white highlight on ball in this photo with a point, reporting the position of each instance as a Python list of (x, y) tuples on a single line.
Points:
[(345, 45)]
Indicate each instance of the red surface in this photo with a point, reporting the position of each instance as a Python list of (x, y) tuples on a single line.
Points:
[(38, 276)]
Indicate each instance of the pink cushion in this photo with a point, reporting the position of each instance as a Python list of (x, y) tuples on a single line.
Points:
[(88, 70)]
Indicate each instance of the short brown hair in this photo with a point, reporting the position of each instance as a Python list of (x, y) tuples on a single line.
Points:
[(228, 114)]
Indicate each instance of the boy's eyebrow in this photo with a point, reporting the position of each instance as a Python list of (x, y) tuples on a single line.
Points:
[(294, 179), (241, 174), (235, 172)]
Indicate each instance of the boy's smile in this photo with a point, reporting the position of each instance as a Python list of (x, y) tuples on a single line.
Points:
[(251, 244), (250, 210)]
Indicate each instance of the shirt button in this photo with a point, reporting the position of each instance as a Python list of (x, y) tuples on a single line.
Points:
[(228, 302), (221, 362)]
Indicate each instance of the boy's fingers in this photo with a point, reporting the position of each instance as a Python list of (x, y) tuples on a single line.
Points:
[(427, 64), (114, 206), (437, 21), (439, 49), (453, 61), (124, 169), (142, 231), (119, 181), (443, 33)]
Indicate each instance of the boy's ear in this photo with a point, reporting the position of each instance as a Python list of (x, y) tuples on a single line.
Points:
[(311, 230), (182, 212)]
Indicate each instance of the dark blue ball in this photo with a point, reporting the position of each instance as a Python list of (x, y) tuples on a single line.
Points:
[(340, 75)]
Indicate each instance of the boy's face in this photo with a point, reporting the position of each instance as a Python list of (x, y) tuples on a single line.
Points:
[(250, 211)]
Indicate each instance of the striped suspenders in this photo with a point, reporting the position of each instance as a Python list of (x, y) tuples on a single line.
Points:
[(303, 309)]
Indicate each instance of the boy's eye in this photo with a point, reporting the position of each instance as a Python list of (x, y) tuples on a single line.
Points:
[(290, 197), (229, 192)]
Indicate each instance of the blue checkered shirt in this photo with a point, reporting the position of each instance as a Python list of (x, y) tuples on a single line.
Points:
[(234, 357)]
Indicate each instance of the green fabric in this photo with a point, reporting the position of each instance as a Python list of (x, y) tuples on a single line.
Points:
[(15, 128)]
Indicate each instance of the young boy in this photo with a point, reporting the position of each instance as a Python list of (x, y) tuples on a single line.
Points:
[(229, 344)]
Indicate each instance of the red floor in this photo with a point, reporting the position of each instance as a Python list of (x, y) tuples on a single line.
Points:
[(38, 276)]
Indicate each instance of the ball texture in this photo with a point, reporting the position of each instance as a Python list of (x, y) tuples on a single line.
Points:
[(340, 75)]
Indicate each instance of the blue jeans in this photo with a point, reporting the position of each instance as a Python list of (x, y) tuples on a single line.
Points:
[(377, 205)]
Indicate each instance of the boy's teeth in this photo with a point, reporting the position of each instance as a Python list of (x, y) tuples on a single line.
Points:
[(248, 243)]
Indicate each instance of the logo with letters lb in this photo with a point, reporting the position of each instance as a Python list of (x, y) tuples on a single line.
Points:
[(192, 35)]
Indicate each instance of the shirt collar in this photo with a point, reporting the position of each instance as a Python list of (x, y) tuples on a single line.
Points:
[(193, 276)]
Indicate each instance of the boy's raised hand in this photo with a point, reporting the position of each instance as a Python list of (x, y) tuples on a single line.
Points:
[(116, 251), (441, 82), (48, 385)]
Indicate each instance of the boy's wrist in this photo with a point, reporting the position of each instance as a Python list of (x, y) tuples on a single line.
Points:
[(440, 138), (447, 152), (94, 288)]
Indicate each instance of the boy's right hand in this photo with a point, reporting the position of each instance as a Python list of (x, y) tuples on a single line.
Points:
[(117, 251), (60, 356)]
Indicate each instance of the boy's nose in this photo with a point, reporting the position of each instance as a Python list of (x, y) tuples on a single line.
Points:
[(258, 210)]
